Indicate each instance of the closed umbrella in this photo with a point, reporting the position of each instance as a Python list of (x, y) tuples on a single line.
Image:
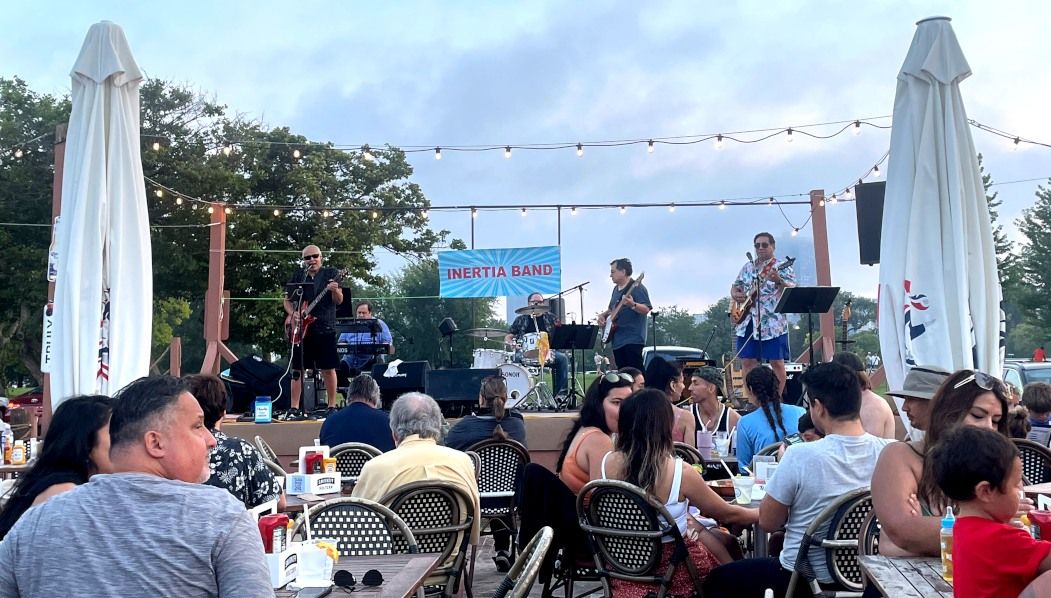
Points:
[(104, 288), (939, 300)]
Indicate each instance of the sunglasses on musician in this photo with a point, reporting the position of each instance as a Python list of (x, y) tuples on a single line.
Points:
[(762, 245), (312, 256)]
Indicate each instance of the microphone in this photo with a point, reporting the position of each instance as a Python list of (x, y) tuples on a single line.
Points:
[(748, 254)]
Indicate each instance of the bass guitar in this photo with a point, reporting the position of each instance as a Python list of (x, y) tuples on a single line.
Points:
[(740, 311), (296, 325), (611, 325)]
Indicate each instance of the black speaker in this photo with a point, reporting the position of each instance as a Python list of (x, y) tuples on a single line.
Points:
[(457, 384), (558, 308), (869, 209), (252, 376), (412, 377)]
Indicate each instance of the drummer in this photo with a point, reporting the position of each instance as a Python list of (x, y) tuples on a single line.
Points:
[(543, 322)]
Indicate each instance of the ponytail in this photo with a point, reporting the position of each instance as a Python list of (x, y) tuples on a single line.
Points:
[(763, 384), (494, 393)]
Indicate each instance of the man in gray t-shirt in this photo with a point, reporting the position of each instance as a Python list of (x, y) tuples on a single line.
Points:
[(809, 478), (150, 529)]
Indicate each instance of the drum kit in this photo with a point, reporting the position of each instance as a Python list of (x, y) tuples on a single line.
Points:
[(522, 362)]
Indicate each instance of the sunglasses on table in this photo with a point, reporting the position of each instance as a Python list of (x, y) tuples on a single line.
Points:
[(345, 579), (983, 380)]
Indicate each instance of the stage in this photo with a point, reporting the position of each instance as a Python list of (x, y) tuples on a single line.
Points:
[(544, 434)]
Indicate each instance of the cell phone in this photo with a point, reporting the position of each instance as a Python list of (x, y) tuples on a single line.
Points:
[(793, 439), (314, 592)]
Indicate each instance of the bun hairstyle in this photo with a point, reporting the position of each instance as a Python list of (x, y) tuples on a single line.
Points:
[(494, 394)]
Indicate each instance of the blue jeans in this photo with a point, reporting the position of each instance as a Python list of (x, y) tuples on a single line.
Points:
[(560, 371)]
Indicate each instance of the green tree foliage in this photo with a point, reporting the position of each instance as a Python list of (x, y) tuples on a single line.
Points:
[(1034, 292)]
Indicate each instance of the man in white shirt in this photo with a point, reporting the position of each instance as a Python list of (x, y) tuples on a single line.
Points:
[(809, 478)]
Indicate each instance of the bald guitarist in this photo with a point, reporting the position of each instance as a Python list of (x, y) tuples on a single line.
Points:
[(762, 280), (628, 306)]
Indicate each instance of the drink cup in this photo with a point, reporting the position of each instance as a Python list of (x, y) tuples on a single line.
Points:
[(315, 566), (722, 446), (705, 442), (743, 489)]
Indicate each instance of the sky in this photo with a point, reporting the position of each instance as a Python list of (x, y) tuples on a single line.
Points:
[(460, 73)]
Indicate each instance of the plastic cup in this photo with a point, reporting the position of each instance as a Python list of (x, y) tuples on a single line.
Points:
[(743, 489), (314, 566), (722, 446), (705, 442)]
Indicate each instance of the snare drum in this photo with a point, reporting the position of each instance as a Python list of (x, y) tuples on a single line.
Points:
[(536, 348), (490, 358), (519, 381)]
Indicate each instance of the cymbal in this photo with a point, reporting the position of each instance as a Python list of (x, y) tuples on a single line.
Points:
[(533, 310), (485, 332)]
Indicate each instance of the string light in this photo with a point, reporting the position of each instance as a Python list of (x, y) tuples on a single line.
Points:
[(795, 231), (375, 214), (718, 142), (649, 146), (367, 154), (19, 154), (297, 154), (573, 211), (437, 153), (229, 210), (178, 201), (507, 152), (228, 149), (848, 194), (474, 212), (875, 171), (325, 213), (722, 205), (195, 206), (770, 201), (1014, 146), (524, 212), (857, 128), (821, 202), (671, 208), (156, 146), (580, 149), (425, 214), (834, 198), (159, 193), (623, 209), (277, 212), (790, 139), (211, 210)]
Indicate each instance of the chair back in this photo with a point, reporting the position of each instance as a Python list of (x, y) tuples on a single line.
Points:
[(361, 527), (626, 527), (439, 514), (770, 449), (1036, 461), (868, 541), (476, 461), (351, 457), (834, 536), (265, 448), (688, 454), (501, 461), (519, 580)]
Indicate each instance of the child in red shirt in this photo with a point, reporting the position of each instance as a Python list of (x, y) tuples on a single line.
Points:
[(980, 470)]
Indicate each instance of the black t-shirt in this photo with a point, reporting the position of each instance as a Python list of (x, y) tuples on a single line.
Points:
[(325, 310), (524, 324)]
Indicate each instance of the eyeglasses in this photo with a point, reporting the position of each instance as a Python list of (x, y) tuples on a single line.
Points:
[(312, 256), (762, 245), (983, 380), (613, 377), (537, 302)]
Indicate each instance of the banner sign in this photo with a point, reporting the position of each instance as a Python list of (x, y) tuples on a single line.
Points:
[(500, 272)]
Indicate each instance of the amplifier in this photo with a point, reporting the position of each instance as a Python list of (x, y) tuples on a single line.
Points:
[(412, 375), (457, 385)]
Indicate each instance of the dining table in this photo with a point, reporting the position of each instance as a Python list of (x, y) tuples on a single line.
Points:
[(295, 503), (906, 577), (403, 574)]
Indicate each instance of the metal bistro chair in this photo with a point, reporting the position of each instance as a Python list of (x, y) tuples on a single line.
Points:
[(834, 534), (625, 527), (350, 458), (868, 539), (1036, 461), (440, 517), (519, 580), (265, 448), (770, 449), (689, 455), (361, 527), (501, 461)]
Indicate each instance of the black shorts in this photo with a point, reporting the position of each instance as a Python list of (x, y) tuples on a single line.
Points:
[(318, 352)]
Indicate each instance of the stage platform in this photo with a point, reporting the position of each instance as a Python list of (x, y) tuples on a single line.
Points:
[(544, 434)]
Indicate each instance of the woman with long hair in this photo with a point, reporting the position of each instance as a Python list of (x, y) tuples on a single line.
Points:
[(644, 456), (636, 375), (591, 435), (768, 424), (906, 498), (666, 376), (493, 421), (75, 448)]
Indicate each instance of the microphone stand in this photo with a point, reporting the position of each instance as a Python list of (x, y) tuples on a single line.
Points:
[(654, 314)]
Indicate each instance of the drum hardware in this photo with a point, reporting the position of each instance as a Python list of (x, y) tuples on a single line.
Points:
[(486, 333), (533, 310)]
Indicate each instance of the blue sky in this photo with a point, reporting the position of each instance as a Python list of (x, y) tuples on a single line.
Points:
[(448, 73)]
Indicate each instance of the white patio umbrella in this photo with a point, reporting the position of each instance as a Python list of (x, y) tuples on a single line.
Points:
[(939, 301), (104, 287)]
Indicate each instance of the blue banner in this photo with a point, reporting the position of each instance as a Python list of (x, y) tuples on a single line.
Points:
[(500, 272)]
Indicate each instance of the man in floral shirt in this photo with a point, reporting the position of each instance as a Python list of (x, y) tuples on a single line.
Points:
[(771, 343), (234, 463)]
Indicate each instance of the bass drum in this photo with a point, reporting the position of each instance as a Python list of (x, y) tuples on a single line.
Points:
[(519, 381)]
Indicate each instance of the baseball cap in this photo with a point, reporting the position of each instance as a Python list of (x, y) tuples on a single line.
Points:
[(921, 382), (711, 374)]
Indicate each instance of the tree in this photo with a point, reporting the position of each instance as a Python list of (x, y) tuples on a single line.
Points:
[(1034, 292), (1006, 260), (717, 331), (675, 326)]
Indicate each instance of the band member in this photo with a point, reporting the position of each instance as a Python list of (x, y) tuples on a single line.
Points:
[(771, 341), (631, 319), (378, 334), (318, 349), (544, 323)]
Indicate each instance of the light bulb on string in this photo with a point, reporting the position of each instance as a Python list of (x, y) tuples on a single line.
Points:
[(425, 213), (156, 146), (671, 208), (195, 205), (875, 171), (297, 154), (375, 214), (722, 205), (580, 149), (18, 153), (821, 202), (789, 138), (437, 153), (178, 201), (507, 152), (770, 201), (834, 198), (848, 194), (229, 210), (649, 146), (1015, 144), (227, 149), (573, 211), (718, 142), (857, 128), (159, 193), (524, 212), (366, 153), (623, 209), (211, 209), (474, 212), (277, 212), (795, 231)]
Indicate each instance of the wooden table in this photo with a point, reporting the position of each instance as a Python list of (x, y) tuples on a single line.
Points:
[(1034, 490), (295, 503), (402, 574), (906, 577), (9, 471)]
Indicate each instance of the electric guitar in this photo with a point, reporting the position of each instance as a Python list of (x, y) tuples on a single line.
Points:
[(740, 311), (611, 326), (296, 325), (844, 318)]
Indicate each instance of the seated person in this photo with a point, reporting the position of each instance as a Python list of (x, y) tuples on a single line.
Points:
[(636, 375), (807, 433), (379, 335), (234, 464), (361, 420), (810, 477), (493, 421), (645, 457), (876, 414), (1036, 397), (666, 376), (904, 495), (545, 322), (590, 437), (75, 448), (980, 470), (768, 424), (1017, 422)]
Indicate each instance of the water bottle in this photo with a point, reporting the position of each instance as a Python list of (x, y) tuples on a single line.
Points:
[(946, 544)]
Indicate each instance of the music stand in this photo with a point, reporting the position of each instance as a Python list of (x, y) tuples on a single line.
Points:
[(809, 301), (572, 337)]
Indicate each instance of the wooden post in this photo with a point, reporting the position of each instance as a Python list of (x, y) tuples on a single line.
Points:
[(824, 272), (214, 307), (175, 356), (56, 209)]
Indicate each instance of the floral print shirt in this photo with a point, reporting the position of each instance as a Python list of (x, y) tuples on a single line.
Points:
[(237, 466), (774, 324)]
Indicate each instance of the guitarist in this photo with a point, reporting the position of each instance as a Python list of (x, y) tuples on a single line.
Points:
[(318, 349), (771, 343), (630, 319)]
